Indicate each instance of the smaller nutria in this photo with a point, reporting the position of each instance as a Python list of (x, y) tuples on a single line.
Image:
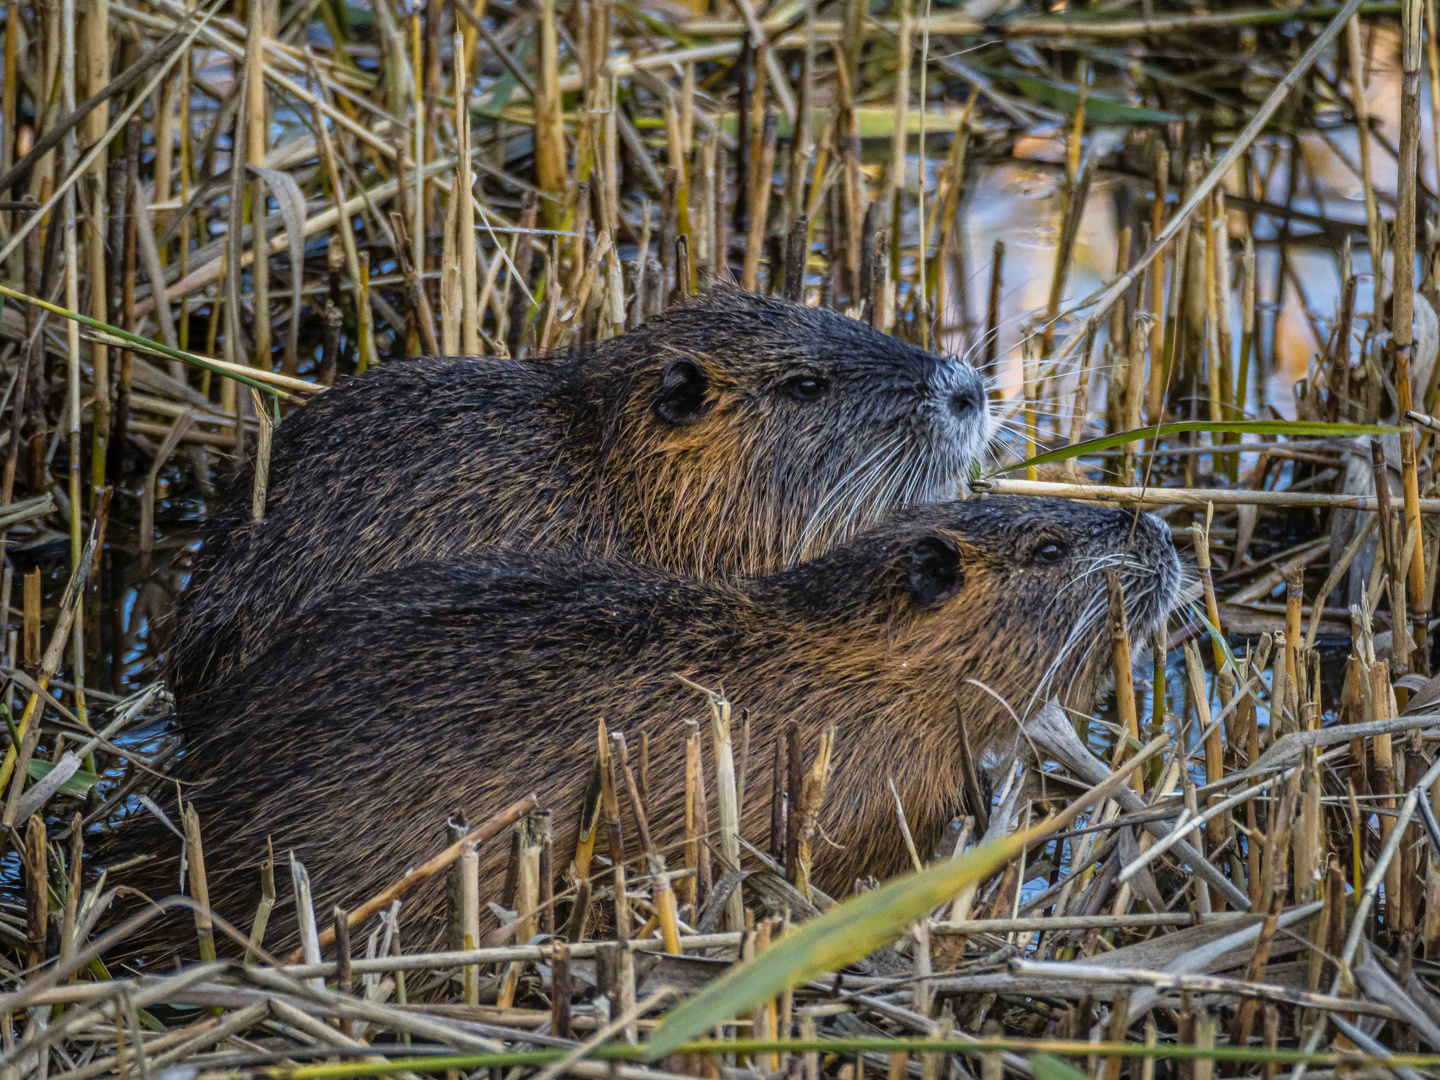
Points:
[(735, 435), (463, 685)]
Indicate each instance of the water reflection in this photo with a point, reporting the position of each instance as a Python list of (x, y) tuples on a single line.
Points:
[(1019, 203)]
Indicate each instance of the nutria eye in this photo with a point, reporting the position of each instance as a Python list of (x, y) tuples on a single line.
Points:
[(806, 387), (1050, 552)]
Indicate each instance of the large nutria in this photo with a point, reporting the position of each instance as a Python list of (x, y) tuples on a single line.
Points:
[(736, 435), (463, 685)]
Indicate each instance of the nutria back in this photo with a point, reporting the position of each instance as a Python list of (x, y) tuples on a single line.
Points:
[(463, 685), (733, 436)]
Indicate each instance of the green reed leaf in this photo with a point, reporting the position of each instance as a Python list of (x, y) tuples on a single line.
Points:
[(1047, 1067), (79, 783), (1311, 428), (140, 342), (841, 936)]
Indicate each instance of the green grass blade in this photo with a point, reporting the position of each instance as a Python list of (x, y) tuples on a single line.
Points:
[(78, 784), (1313, 428), (141, 342), (863, 923), (1046, 1067), (1219, 639), (841, 936)]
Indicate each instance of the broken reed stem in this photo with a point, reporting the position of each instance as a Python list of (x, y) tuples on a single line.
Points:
[(812, 796), (195, 859), (662, 896), (494, 825), (726, 798)]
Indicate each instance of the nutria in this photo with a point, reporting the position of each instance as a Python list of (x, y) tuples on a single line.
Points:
[(463, 685), (735, 435)]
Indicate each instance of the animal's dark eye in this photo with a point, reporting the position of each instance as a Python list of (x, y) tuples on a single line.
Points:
[(805, 387), (1050, 552)]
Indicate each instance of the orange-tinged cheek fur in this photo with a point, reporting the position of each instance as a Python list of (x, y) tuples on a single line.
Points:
[(704, 497)]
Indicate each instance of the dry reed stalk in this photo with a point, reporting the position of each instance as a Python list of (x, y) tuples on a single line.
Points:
[(1308, 838), (764, 1018), (1080, 408), (1134, 385), (1249, 296), (1224, 293), (54, 651), (1072, 195), (1212, 325), (1155, 389), (342, 963), (812, 797), (31, 616), (461, 192), (1359, 99), (123, 210), (35, 859), (256, 130), (468, 872), (549, 126), (895, 176), (492, 826), (267, 904), (662, 895), (1381, 748), (1120, 660), (9, 93), (195, 860), (694, 816), (1404, 299), (726, 802), (1117, 348), (305, 917), (1030, 388), (97, 75), (1294, 599), (1214, 742), (759, 206), (624, 972)]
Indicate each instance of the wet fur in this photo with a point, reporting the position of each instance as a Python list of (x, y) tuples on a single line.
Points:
[(437, 457), (463, 685)]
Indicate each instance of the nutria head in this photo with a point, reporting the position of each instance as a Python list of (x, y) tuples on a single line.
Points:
[(756, 433), (998, 600)]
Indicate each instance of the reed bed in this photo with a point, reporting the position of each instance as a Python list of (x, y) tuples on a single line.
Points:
[(210, 211)]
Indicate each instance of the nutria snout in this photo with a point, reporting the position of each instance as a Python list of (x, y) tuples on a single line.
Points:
[(736, 435), (462, 685)]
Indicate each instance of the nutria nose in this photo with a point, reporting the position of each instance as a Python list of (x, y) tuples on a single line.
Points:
[(965, 403)]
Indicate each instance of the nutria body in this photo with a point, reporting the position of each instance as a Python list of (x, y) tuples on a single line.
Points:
[(464, 685), (734, 436)]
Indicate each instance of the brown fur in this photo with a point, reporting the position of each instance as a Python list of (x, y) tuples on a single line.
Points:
[(684, 445), (464, 685)]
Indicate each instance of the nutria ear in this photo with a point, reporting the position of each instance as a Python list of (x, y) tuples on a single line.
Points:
[(935, 572), (682, 393)]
